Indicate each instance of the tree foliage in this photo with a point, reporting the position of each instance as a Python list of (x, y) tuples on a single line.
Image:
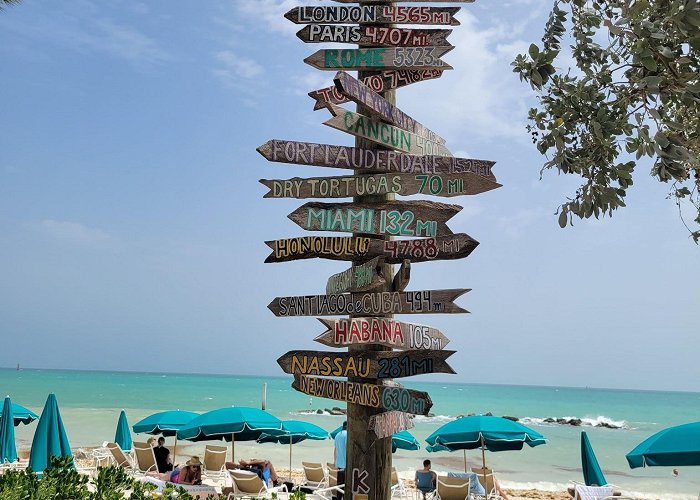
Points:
[(634, 93)]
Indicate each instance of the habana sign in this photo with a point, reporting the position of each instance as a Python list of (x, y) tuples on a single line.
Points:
[(373, 14), (327, 155), (370, 303), (415, 58), (386, 80), (394, 218), (391, 398), (390, 422), (375, 364), (383, 133), (383, 331), (354, 248), (374, 36), (360, 278), (348, 186), (362, 94)]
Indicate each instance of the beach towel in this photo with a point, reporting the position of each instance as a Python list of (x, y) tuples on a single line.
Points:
[(195, 490), (593, 492)]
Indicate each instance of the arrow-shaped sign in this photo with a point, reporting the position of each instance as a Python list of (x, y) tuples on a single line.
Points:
[(327, 155), (373, 14), (384, 331), (377, 365), (374, 36), (415, 58), (386, 80), (354, 248), (391, 398), (361, 94), (347, 186), (406, 1), (393, 218), (370, 303), (387, 423), (360, 278)]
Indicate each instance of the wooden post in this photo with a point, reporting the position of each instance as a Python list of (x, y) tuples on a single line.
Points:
[(368, 468), (264, 396)]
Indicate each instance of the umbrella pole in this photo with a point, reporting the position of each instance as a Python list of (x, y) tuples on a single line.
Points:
[(465, 459), (174, 457), (233, 447), (483, 460), (290, 457)]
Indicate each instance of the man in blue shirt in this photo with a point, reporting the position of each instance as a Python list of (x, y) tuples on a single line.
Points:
[(340, 455)]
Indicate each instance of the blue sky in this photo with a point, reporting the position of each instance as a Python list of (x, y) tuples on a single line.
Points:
[(133, 224)]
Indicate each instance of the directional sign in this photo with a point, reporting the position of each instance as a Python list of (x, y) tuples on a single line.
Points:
[(384, 331), (402, 277), (326, 155), (393, 218), (386, 80), (356, 248), (373, 14), (389, 397), (443, 185), (382, 133), (370, 303), (390, 422), (374, 36), (379, 58), (362, 94), (406, 1), (373, 364), (360, 278)]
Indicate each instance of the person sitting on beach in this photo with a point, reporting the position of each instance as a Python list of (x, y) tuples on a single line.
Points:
[(426, 479), (191, 473), (261, 467), (162, 455)]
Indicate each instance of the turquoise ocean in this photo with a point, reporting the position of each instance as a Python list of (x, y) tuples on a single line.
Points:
[(90, 403)]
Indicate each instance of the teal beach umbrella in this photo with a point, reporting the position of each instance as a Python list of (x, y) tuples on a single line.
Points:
[(293, 432), (8, 450), (22, 415), (122, 436), (50, 438), (592, 473), (233, 423), (674, 446), (403, 440), (166, 423)]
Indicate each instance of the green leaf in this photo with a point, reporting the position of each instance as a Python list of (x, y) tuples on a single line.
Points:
[(562, 218), (534, 51)]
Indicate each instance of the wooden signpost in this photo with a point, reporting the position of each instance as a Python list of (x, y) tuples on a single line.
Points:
[(442, 185), (360, 278), (383, 331), (370, 303), (395, 218), (390, 398), (386, 80), (394, 154), (360, 93), (374, 36), (378, 14), (377, 365), (369, 160), (415, 58), (353, 248)]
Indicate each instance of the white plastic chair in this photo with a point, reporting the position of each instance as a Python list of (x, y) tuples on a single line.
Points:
[(248, 484)]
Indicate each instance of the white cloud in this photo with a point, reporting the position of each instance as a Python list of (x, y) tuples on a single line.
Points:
[(234, 67), (271, 12), (73, 231), (515, 225)]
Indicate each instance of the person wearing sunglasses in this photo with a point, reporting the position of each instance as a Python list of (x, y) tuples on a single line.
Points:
[(191, 473)]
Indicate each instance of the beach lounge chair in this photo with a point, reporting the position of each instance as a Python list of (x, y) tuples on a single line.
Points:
[(201, 491), (145, 458), (490, 486), (316, 476), (452, 488), (583, 492), (215, 462), (120, 458), (248, 484), (333, 486), (398, 488), (425, 487)]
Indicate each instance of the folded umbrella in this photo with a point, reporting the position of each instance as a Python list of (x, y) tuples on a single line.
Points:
[(50, 439), (122, 436), (8, 449), (592, 473)]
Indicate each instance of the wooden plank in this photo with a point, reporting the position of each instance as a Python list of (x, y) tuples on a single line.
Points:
[(442, 185), (374, 36), (370, 364), (390, 398), (367, 276), (402, 277), (394, 218), (383, 331), (361, 94), (369, 160), (390, 422), (373, 14), (405, 1), (382, 133), (353, 248), (370, 303), (415, 58), (386, 80)]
